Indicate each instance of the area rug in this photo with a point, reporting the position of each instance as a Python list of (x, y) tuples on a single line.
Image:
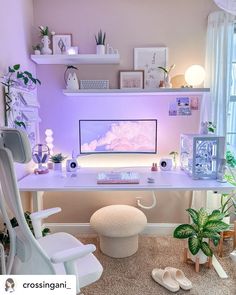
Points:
[(132, 275)]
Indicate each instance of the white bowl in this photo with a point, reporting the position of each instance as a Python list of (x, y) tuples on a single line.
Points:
[(233, 256)]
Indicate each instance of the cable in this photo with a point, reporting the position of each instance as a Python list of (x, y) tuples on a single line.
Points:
[(154, 202)]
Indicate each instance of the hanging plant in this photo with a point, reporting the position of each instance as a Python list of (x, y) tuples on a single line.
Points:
[(17, 78)]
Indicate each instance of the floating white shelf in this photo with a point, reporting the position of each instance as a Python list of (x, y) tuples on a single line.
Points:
[(115, 92), (65, 59)]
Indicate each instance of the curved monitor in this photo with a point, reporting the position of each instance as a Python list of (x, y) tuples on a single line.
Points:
[(118, 136)]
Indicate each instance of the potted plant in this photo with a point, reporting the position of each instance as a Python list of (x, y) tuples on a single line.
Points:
[(37, 49), (100, 41), (167, 78), (4, 235), (46, 34), (205, 228), (174, 154), (57, 160), (16, 78)]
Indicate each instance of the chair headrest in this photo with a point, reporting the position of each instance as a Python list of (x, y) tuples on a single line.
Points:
[(17, 142)]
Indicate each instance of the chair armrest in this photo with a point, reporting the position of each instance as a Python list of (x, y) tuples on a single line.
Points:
[(72, 254), (36, 218), (44, 213)]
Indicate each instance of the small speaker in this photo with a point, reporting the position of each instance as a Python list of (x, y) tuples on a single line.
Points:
[(165, 164), (71, 165)]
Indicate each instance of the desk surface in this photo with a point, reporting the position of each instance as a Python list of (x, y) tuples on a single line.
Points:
[(86, 180)]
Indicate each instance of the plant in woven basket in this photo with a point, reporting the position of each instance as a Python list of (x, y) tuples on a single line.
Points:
[(205, 227)]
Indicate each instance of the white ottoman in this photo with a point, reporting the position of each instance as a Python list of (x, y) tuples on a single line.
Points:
[(118, 227)]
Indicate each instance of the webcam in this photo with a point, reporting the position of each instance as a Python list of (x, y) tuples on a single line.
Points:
[(165, 164), (71, 165)]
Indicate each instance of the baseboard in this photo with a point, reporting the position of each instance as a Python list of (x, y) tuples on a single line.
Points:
[(160, 229)]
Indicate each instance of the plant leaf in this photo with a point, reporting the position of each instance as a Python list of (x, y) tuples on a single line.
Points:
[(163, 69), (216, 241), (206, 249), (28, 74), (10, 70), (216, 226), (184, 231), (210, 235), (26, 80), (194, 245), (16, 67), (194, 215), (216, 215), (202, 217), (19, 75)]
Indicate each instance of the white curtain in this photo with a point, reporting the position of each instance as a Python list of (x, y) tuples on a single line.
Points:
[(218, 63)]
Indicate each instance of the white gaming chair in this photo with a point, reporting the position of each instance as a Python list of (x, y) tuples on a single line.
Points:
[(58, 253)]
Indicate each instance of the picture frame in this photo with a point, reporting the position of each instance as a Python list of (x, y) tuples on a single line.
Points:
[(131, 79), (150, 59), (60, 43)]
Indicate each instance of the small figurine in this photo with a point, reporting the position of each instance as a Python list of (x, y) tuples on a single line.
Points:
[(154, 167)]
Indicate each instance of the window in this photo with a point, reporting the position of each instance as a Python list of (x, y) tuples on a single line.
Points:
[(231, 124)]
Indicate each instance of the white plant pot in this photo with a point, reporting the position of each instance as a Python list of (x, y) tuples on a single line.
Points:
[(46, 41), (57, 167), (100, 49), (202, 257), (37, 52), (167, 82)]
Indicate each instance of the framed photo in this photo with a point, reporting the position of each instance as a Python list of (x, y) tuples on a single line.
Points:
[(60, 43), (149, 60), (132, 79)]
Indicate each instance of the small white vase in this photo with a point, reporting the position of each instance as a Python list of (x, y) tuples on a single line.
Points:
[(100, 49), (57, 167), (202, 257), (167, 81), (46, 49), (37, 52)]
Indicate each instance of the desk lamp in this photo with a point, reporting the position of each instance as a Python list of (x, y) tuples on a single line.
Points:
[(194, 75)]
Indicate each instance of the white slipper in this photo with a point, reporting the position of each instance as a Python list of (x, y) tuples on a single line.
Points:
[(163, 277), (179, 276)]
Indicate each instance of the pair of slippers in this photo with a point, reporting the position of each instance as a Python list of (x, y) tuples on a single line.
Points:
[(171, 278)]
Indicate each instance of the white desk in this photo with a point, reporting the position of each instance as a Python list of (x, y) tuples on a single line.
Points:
[(86, 180)]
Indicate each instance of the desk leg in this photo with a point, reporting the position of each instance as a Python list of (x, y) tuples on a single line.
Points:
[(37, 201)]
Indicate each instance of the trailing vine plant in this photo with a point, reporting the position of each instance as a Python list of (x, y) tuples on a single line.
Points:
[(16, 78)]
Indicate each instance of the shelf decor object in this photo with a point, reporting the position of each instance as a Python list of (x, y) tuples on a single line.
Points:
[(94, 84), (200, 155), (60, 43), (100, 41), (76, 59), (136, 92), (149, 60), (131, 79)]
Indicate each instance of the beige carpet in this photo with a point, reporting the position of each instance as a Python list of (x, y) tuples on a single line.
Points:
[(131, 276)]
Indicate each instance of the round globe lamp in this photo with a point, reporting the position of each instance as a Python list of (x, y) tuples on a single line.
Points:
[(195, 75)]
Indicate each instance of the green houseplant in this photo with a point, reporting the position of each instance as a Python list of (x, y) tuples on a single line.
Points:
[(4, 235), (205, 227), (100, 41), (57, 160), (16, 78), (174, 154)]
